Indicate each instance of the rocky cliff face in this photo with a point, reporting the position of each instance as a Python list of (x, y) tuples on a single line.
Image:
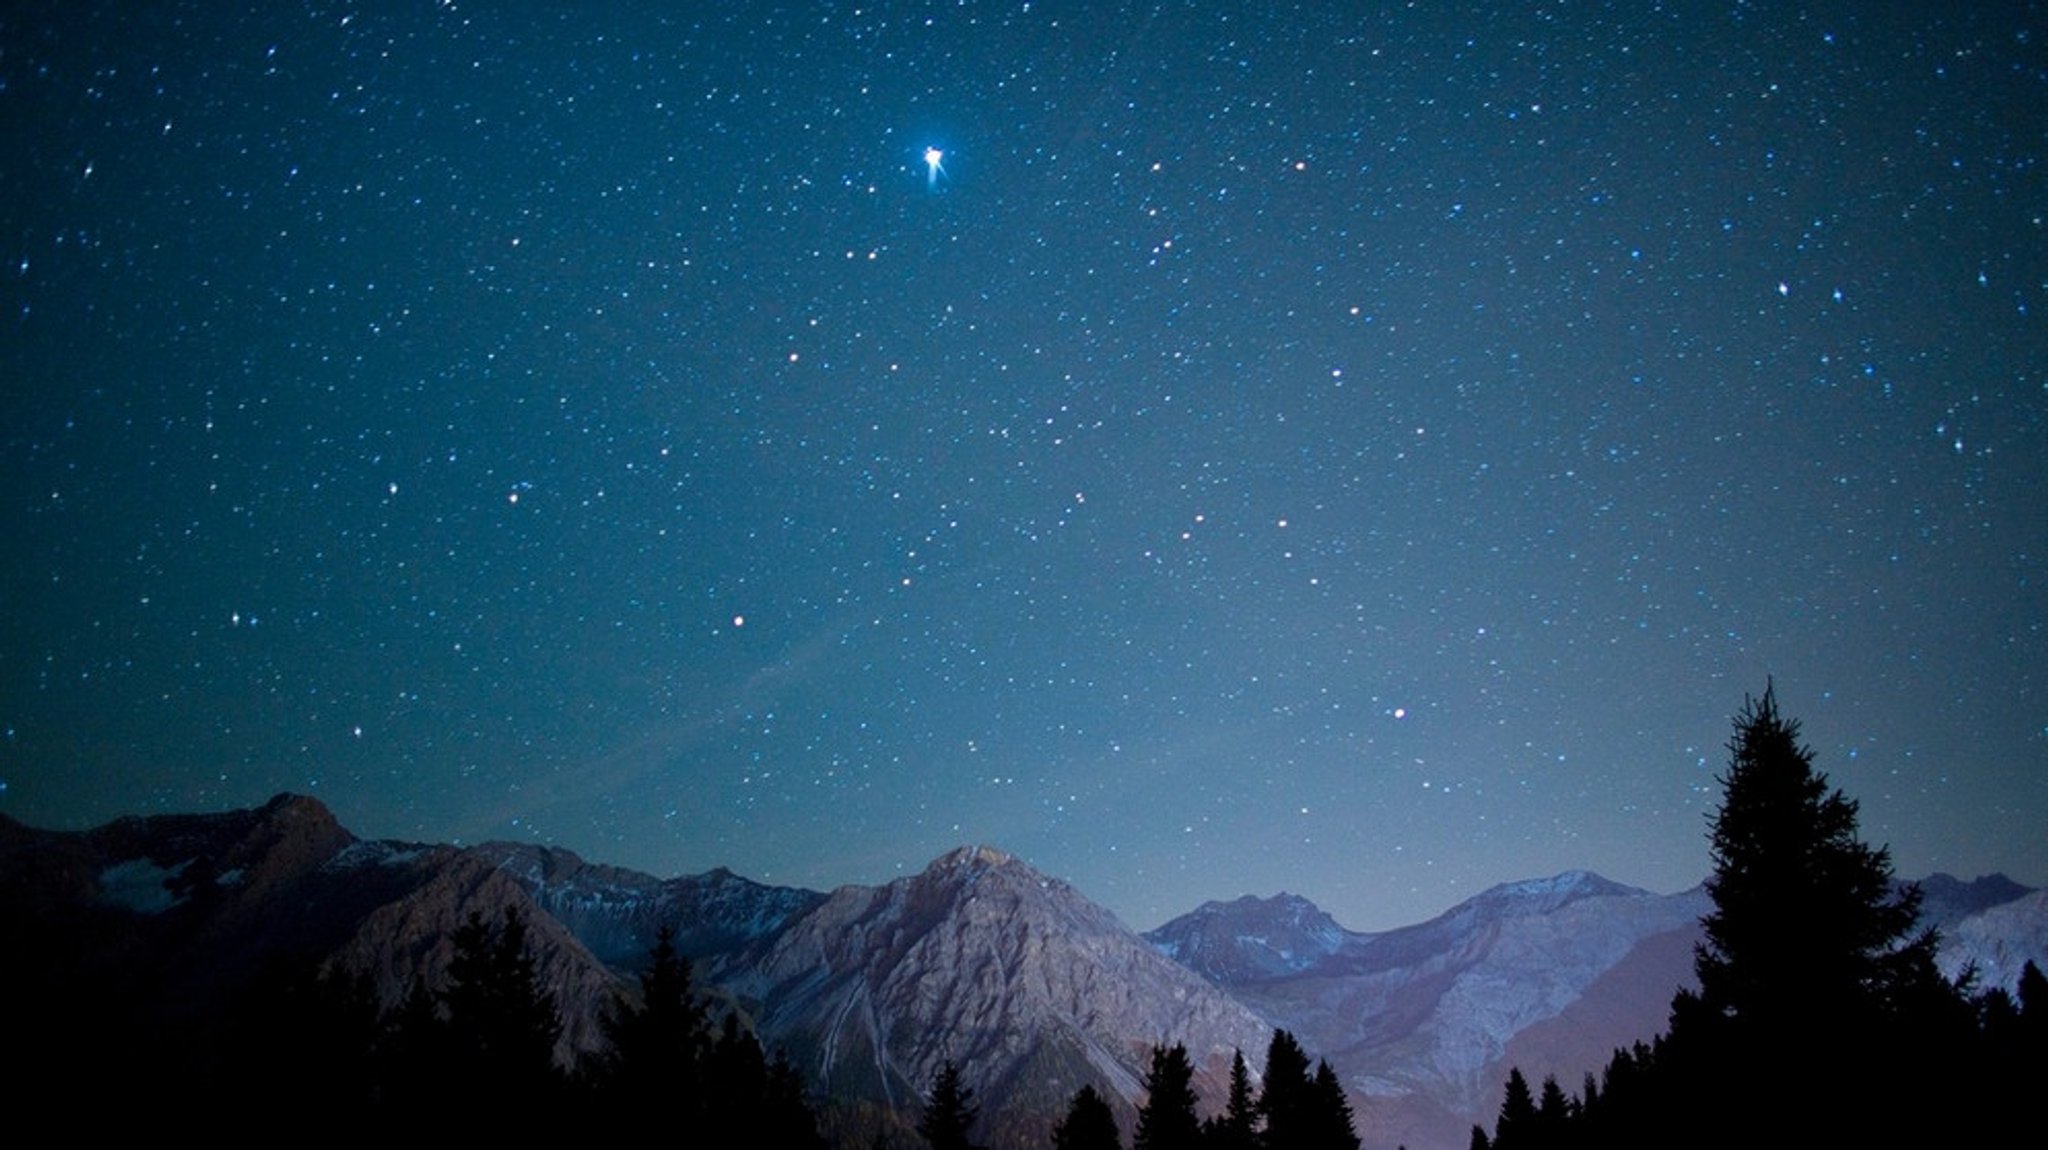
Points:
[(1998, 942)]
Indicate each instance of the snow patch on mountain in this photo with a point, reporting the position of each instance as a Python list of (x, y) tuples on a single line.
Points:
[(142, 885)]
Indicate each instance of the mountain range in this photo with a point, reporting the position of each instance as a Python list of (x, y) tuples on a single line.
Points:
[(1020, 980)]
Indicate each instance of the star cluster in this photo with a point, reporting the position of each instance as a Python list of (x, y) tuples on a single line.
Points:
[(1370, 454)]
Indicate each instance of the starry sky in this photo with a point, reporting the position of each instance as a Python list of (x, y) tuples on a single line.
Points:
[(1367, 450)]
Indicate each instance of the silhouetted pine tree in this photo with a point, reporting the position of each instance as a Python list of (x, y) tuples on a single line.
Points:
[(745, 1090), (659, 1045), (1329, 1113), (412, 1052), (1237, 1127), (2033, 1025), (1284, 1096), (2033, 994), (1554, 1115), (1806, 929), (502, 1026), (950, 1111), (485, 1041), (1089, 1124), (1167, 1119), (1814, 984), (786, 1119), (1516, 1127)]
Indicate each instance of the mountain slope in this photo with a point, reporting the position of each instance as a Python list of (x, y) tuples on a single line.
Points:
[(1999, 941), (617, 912)]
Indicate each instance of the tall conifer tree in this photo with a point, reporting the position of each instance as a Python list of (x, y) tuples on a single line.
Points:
[(1283, 1099), (1237, 1127), (950, 1111), (1167, 1119), (1089, 1124), (1806, 929), (1330, 1125)]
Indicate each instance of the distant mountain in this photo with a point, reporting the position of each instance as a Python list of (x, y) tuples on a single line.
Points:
[(148, 928), (1946, 900), (617, 912), (180, 912), (1417, 1021), (1250, 938)]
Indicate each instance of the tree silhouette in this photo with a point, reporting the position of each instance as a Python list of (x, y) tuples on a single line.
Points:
[(1806, 929), (785, 1118), (1554, 1113), (1329, 1125), (413, 1055), (2024, 1058), (1284, 1097), (1814, 982), (950, 1111), (1517, 1123), (1237, 1127), (658, 1046), (502, 1026), (1167, 1119), (487, 1035), (745, 1090), (1089, 1124)]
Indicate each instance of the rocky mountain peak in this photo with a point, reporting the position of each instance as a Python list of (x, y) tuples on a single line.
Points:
[(972, 856), (1250, 938), (981, 960), (1542, 895), (1946, 899)]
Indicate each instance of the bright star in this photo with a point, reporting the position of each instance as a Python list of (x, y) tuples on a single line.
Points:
[(933, 167)]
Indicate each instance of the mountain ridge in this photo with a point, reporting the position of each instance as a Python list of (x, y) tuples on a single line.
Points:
[(978, 958)]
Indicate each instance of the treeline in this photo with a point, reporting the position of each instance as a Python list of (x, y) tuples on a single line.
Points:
[(1820, 1017), (1294, 1109), (1968, 1086), (477, 1054)]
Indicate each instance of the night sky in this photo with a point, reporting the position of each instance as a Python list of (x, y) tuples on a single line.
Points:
[(1362, 450)]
